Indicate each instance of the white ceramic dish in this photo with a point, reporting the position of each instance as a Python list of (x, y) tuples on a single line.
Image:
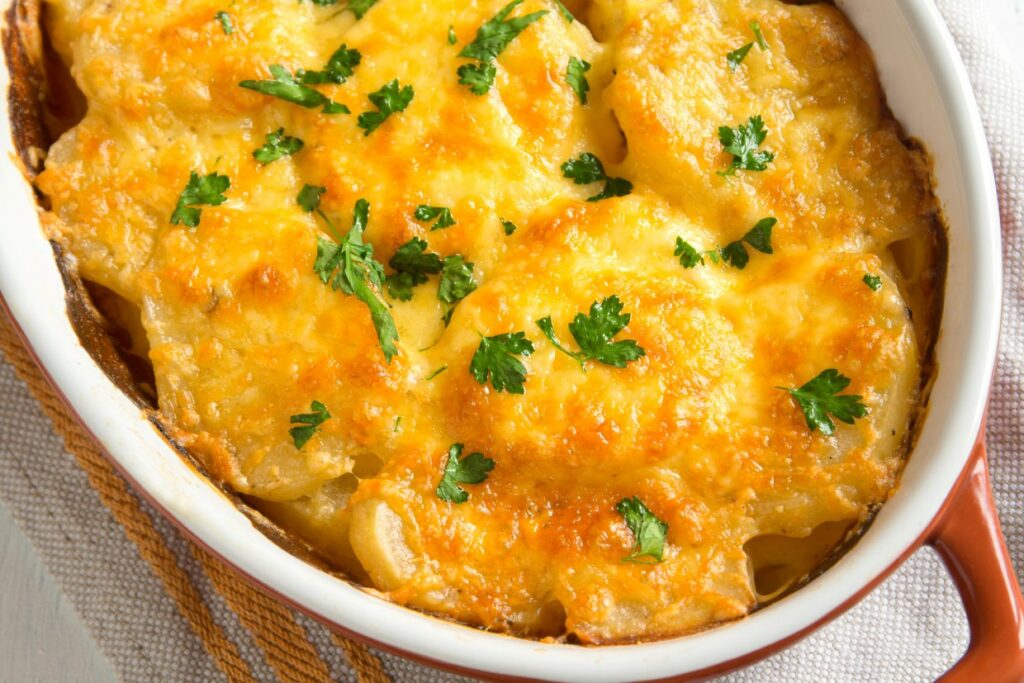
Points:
[(929, 92)]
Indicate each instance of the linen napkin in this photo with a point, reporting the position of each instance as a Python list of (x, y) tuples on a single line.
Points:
[(912, 628)]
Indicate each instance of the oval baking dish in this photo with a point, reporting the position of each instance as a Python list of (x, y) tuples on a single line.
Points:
[(943, 497)]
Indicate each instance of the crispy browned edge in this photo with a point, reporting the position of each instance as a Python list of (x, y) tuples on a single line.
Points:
[(23, 47)]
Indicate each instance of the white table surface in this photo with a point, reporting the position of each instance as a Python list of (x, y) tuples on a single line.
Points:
[(42, 639)]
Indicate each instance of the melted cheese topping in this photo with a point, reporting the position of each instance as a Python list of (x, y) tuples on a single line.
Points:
[(243, 335)]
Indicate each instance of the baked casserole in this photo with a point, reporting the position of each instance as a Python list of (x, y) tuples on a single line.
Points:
[(606, 320)]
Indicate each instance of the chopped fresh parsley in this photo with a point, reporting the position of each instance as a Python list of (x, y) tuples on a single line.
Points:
[(648, 531), (742, 142), (734, 58), (820, 397), (456, 283), (508, 226), (357, 7), (593, 333), (390, 99), (564, 11), (587, 168), (873, 281), (575, 76), (338, 69), (284, 86), (735, 253), (497, 358), (471, 469), (688, 255), (208, 190), (309, 197), (277, 145), (349, 265), (479, 77), (759, 237), (493, 36), (425, 214), (225, 22), (310, 423), (435, 373), (452, 38), (758, 36), (413, 265)]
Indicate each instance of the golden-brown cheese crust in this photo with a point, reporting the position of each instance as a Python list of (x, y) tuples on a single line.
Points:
[(243, 334)]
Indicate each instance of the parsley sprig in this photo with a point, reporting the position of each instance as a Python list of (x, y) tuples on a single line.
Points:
[(392, 98), (287, 87), (442, 214), (208, 190), (820, 398), (456, 283), (276, 146), (648, 530), (575, 76), (497, 359), (493, 36), (742, 143), (734, 58), (873, 281), (309, 423), (339, 68), (593, 333), (735, 253), (587, 168), (413, 265), (348, 265), (472, 469)]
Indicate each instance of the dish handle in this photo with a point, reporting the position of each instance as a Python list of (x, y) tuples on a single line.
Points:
[(970, 542)]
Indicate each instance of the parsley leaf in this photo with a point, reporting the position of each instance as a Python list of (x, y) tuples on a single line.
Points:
[(284, 86), (413, 264), (688, 255), (593, 333), (208, 189), (277, 145), (587, 168), (479, 77), (508, 226), (742, 142), (390, 99), (576, 78), (564, 11), (309, 197), (497, 32), (734, 58), (471, 469), (310, 423), (873, 281), (648, 530), (758, 36), (759, 237), (360, 7), (456, 283), (820, 397), (225, 22), (496, 358), (493, 36), (349, 265), (339, 68), (452, 38), (425, 214)]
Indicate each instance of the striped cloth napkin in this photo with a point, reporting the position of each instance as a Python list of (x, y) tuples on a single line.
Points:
[(162, 611)]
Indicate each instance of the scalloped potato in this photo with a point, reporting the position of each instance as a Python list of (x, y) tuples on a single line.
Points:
[(615, 476)]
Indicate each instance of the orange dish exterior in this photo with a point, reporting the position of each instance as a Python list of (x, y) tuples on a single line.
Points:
[(742, 497)]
